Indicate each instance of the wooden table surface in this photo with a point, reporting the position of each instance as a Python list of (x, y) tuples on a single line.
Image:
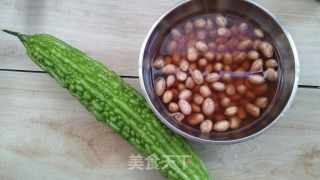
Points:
[(46, 134)]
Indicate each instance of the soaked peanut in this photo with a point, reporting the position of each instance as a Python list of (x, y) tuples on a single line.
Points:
[(212, 77), (189, 83), (215, 75), (206, 126), (225, 102), (201, 46), (253, 110), (169, 69), (185, 94), (171, 79), (181, 76), (262, 102), (205, 91), (218, 86), (192, 54), (185, 107), (270, 74), (208, 106), (231, 111), (198, 99), (221, 126), (167, 96), (184, 65), (173, 107), (235, 122), (256, 79), (160, 86), (197, 77), (196, 119), (158, 63)]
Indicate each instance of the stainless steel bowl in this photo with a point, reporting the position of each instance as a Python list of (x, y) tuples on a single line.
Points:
[(284, 45)]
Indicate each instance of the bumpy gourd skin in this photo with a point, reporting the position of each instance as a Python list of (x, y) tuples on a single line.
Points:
[(114, 102)]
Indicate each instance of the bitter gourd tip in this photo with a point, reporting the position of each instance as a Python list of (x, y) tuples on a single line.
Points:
[(22, 37)]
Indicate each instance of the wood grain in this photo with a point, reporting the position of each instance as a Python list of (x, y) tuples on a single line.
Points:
[(46, 134), (112, 31)]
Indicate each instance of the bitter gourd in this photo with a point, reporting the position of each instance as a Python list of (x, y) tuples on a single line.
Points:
[(114, 102)]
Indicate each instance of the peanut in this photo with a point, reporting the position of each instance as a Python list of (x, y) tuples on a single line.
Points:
[(245, 44), (197, 77), (200, 23), (171, 79), (181, 86), (202, 46), (184, 65), (209, 24), (242, 114), (223, 32), (185, 107), (256, 44), (258, 33), (178, 116), (221, 126), (241, 89), (169, 69), (212, 77), (188, 28), (189, 83), (231, 111), (221, 21), (195, 108), (239, 57), (219, 56), (266, 49), (202, 62), (218, 86), (243, 27), (201, 35), (225, 102), (235, 122), (172, 46), (160, 86), (206, 126), (253, 110), (176, 34), (218, 66), (271, 63), (167, 96), (256, 79), (181, 76), (185, 94), (198, 99), (192, 54), (261, 102), (208, 106), (230, 90), (158, 63), (205, 91), (195, 119), (270, 74), (257, 65), (253, 55), (173, 107), (227, 58), (209, 55)]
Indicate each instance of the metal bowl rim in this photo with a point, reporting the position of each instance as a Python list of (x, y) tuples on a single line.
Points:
[(198, 139)]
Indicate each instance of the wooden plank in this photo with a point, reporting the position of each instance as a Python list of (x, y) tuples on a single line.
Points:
[(112, 31), (47, 134)]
